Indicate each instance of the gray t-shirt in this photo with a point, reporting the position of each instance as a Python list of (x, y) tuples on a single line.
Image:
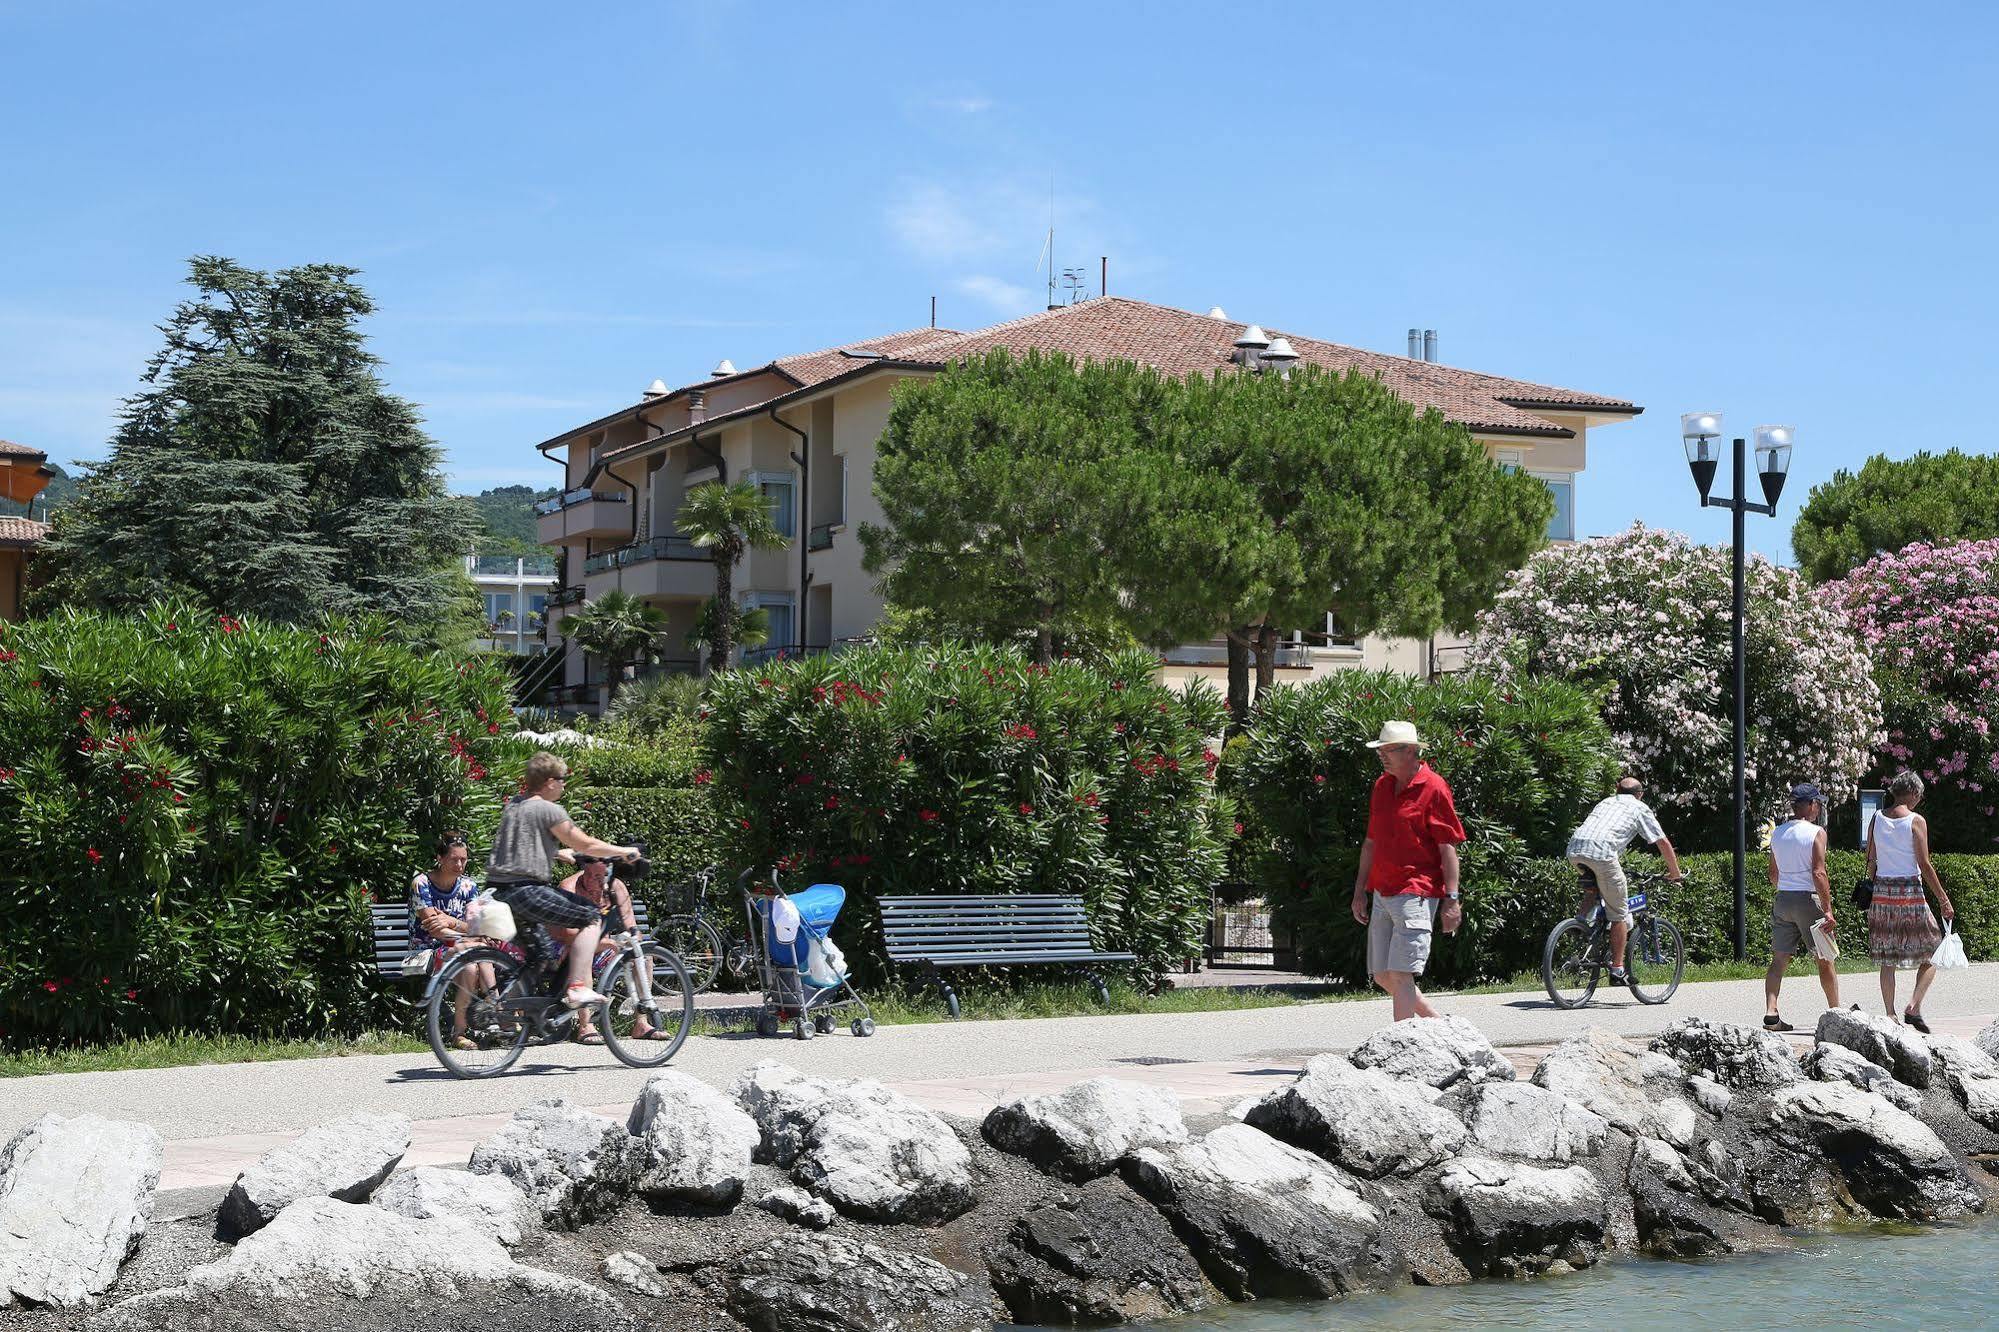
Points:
[(525, 845)]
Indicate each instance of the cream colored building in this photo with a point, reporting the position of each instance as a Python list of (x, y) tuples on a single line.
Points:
[(804, 429)]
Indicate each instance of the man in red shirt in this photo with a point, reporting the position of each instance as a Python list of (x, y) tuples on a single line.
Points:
[(1408, 881)]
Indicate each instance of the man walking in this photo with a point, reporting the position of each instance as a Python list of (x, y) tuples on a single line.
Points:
[(1596, 847), (1407, 885), (1803, 899)]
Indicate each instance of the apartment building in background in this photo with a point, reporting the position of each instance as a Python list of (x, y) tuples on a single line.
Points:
[(803, 429), (514, 590), (23, 473)]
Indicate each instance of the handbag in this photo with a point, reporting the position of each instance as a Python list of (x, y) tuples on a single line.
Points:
[(1949, 955), (1863, 894)]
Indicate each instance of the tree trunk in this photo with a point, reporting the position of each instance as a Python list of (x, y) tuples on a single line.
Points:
[(1238, 679), (1266, 659), (725, 613), (1044, 645)]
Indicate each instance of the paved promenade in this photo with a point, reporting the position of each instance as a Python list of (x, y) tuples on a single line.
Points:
[(218, 1118)]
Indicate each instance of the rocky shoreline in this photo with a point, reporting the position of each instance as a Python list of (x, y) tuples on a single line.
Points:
[(816, 1205)]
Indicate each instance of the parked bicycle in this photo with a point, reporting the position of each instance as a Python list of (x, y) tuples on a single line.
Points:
[(695, 939), (1577, 954), (650, 1012)]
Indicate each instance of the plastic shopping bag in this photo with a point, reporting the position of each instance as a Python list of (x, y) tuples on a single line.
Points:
[(490, 918), (1949, 955), (826, 967)]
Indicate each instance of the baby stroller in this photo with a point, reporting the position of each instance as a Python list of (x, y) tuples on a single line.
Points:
[(803, 975)]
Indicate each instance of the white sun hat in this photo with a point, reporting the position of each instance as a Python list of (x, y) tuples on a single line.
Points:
[(1397, 733)]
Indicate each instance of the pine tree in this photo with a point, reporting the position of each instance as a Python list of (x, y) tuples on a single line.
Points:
[(265, 469)]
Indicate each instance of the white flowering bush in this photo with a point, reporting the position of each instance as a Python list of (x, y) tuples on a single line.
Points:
[(1646, 613)]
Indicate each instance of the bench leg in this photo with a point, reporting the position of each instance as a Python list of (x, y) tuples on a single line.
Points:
[(944, 988), (1097, 984)]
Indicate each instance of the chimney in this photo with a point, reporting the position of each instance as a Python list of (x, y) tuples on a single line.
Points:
[(723, 369), (656, 389), (697, 406), (1415, 344), (1429, 344)]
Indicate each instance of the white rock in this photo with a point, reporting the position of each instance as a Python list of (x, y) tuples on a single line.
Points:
[(325, 1263), (1510, 1219), (799, 1206), (1520, 1119), (1439, 1051), (1880, 1040), (1972, 1074), (345, 1159), (575, 1166), (490, 1204), (1894, 1164), (1664, 1162), (1836, 1063), (693, 1143), (1084, 1130), (75, 1197), (634, 1272), (1710, 1095), (1740, 1058), (836, 1283), (1631, 1089), (876, 1154), (1988, 1040), (1363, 1119)]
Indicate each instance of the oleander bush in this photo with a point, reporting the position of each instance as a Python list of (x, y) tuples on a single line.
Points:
[(195, 812), (971, 770), (1525, 761)]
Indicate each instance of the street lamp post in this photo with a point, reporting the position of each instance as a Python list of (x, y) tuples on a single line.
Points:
[(1698, 432)]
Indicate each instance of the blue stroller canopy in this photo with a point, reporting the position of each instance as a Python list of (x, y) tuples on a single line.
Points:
[(818, 907)]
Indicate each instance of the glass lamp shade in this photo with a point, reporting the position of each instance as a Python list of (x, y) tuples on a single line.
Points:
[(1700, 425), (1773, 459), (1703, 457)]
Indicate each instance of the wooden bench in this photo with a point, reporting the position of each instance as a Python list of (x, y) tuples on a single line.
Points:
[(391, 926), (1007, 930)]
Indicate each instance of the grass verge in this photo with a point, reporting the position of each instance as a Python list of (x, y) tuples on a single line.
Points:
[(179, 1049)]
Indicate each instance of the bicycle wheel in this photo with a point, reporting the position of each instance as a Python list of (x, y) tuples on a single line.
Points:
[(661, 994), (697, 944), (1571, 963), (1655, 958), (496, 1036)]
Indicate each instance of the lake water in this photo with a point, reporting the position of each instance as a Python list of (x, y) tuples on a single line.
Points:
[(1932, 1279)]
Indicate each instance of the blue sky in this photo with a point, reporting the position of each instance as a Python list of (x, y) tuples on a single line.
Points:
[(1783, 211)]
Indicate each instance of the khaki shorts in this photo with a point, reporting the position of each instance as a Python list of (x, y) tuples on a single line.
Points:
[(1398, 932), (1792, 916), (1611, 885)]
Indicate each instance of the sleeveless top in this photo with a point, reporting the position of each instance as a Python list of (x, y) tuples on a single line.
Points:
[(1792, 846), (1895, 847)]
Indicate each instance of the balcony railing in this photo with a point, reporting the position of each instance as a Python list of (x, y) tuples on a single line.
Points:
[(565, 596), (557, 503), (639, 552), (512, 566), (787, 651), (821, 537)]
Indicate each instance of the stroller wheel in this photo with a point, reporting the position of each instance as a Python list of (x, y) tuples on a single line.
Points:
[(825, 1023), (766, 1024), (802, 1029), (862, 1026)]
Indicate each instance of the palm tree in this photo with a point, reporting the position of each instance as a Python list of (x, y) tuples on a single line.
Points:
[(748, 628), (656, 705), (729, 520), (621, 629)]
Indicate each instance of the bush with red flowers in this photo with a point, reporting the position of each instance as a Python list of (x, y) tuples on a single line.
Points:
[(196, 810), (971, 770)]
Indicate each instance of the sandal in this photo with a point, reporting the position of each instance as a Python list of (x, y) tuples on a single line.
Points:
[(463, 1042), (650, 1034), (1772, 1022), (1915, 1019), (588, 1038)]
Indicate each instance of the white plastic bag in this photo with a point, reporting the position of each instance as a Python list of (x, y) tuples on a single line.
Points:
[(826, 966), (490, 918), (1949, 955)]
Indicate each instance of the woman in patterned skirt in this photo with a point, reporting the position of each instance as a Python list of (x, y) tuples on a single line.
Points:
[(1901, 931)]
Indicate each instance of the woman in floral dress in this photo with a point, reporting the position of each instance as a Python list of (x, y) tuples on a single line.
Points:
[(439, 900), (1901, 931)]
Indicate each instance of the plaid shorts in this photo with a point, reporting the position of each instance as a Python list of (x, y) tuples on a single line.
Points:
[(544, 905)]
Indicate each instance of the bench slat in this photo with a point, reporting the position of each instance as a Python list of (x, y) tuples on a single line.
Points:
[(1017, 959)]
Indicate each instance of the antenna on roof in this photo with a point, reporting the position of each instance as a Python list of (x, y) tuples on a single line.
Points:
[(1072, 282)]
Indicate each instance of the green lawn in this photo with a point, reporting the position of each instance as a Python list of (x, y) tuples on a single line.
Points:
[(891, 1006)]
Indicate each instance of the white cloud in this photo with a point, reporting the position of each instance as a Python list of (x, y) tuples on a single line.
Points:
[(964, 106), (1006, 297), (935, 224)]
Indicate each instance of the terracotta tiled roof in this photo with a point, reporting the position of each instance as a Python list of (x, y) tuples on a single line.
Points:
[(1178, 342), (22, 532), (817, 367), (20, 450)]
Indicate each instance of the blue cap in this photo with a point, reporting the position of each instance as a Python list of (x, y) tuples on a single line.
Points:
[(1804, 793)]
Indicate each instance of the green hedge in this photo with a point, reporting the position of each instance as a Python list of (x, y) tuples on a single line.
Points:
[(969, 770), (678, 827), (195, 812), (1510, 908)]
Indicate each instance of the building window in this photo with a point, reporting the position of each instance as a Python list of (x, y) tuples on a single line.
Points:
[(1562, 485), (498, 604), (780, 493), (842, 519)]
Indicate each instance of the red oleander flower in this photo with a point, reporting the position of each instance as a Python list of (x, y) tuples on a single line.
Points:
[(703, 777), (50, 986), (1026, 808), (1238, 827), (832, 802), (1318, 779), (927, 815), (95, 855)]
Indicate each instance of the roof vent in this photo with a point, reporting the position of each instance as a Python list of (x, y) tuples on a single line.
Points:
[(697, 406), (1216, 312), (723, 369), (1279, 354), (656, 389)]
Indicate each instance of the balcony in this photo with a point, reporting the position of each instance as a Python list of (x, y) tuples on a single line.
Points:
[(522, 568), (668, 567), (582, 513), (821, 537)]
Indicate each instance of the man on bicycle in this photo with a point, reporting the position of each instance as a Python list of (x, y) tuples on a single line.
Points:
[(533, 827), (1596, 846)]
